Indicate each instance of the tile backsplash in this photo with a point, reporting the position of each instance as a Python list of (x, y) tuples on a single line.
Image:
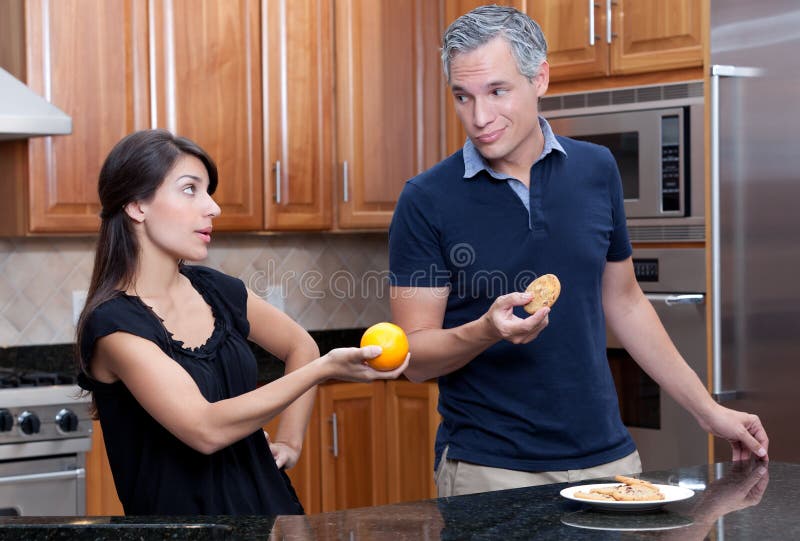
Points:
[(323, 281)]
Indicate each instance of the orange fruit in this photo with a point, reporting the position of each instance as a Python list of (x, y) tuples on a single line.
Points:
[(392, 339)]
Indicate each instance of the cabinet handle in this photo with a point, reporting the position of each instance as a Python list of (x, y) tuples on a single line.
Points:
[(345, 193), (608, 20), (335, 430), (278, 181), (592, 5)]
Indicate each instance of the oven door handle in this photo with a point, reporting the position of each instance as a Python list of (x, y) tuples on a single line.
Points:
[(672, 299), (50, 476)]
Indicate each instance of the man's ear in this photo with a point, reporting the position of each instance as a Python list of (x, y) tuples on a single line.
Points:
[(542, 78), (135, 211)]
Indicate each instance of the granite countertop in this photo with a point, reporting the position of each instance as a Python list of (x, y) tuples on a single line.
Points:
[(732, 501)]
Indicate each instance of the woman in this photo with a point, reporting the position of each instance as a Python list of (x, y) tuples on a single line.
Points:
[(163, 348)]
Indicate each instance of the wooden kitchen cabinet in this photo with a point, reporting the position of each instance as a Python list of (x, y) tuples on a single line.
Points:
[(101, 493), (205, 66), (576, 48), (412, 421), (254, 89), (646, 36), (353, 429), (377, 443), (367, 444), (656, 35), (252, 81), (193, 68), (93, 68), (389, 103), (298, 97)]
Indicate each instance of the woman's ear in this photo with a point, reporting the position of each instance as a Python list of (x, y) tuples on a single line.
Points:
[(135, 211)]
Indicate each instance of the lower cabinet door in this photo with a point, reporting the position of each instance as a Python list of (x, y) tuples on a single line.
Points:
[(353, 438), (411, 427)]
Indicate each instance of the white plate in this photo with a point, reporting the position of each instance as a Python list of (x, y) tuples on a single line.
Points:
[(671, 494)]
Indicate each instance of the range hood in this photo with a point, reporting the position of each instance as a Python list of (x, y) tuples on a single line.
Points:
[(25, 114)]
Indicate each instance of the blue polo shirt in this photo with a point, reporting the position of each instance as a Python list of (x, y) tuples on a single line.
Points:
[(551, 404)]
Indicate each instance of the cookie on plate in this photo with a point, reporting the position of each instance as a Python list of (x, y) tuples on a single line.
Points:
[(592, 495), (634, 481), (545, 291)]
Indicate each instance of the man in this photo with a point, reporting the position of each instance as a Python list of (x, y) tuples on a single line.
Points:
[(527, 400)]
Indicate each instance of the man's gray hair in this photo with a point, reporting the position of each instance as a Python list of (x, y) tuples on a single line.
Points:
[(483, 24)]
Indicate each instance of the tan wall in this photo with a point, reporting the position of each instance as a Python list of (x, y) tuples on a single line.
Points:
[(323, 281)]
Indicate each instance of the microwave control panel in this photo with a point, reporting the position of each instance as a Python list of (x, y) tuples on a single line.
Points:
[(670, 164)]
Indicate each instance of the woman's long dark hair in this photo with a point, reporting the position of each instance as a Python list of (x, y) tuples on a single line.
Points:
[(133, 170)]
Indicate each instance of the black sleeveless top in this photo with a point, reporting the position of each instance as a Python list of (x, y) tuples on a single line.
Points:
[(156, 473)]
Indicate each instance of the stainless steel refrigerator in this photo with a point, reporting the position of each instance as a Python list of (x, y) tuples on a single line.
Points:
[(755, 215)]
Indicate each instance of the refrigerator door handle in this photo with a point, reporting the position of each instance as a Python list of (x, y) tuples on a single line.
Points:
[(718, 71)]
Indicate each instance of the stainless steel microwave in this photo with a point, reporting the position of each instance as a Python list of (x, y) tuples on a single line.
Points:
[(655, 133)]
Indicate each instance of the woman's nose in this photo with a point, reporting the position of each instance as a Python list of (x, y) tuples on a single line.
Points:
[(214, 210)]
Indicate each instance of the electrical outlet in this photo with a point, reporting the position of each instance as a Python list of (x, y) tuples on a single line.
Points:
[(78, 301)]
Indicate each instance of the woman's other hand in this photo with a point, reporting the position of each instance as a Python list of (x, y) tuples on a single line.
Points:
[(284, 454)]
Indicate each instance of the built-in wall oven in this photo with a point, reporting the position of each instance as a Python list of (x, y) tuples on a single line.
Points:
[(656, 136), (667, 436)]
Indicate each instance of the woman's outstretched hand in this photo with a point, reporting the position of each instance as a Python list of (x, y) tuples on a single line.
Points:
[(350, 364)]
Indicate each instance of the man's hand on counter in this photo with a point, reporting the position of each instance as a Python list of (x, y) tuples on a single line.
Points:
[(743, 431)]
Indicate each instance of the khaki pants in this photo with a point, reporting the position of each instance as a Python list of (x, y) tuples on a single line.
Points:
[(455, 477)]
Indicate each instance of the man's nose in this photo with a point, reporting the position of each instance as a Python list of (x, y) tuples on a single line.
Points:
[(482, 114)]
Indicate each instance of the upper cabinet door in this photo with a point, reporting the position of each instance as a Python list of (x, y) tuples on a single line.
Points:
[(576, 36), (93, 67), (389, 95), (205, 61), (655, 35), (298, 100)]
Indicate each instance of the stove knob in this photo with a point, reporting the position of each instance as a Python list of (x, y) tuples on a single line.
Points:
[(29, 422), (6, 420), (67, 421)]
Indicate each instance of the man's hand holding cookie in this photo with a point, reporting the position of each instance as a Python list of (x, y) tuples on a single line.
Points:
[(503, 324)]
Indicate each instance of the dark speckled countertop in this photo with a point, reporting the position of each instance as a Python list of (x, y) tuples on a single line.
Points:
[(732, 501)]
